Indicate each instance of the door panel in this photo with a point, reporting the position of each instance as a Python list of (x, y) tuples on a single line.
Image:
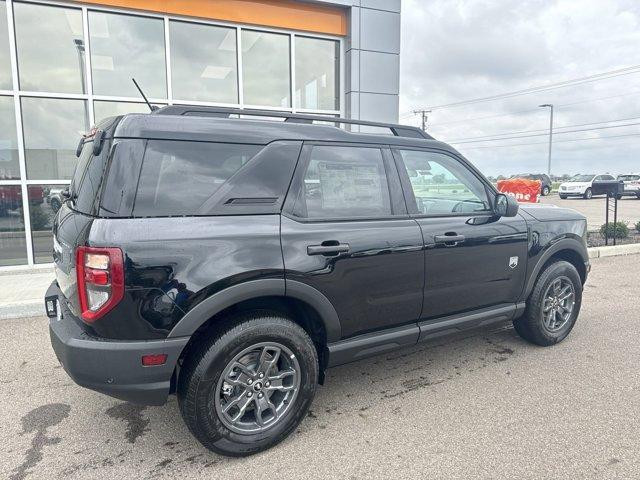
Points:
[(476, 272), (346, 233), (473, 259), (376, 284)]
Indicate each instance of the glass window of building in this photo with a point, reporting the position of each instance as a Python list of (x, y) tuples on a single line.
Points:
[(266, 69), (317, 79), (125, 47), (50, 46), (5, 60), (103, 110), (203, 63), (9, 166), (13, 247), (52, 129), (44, 202)]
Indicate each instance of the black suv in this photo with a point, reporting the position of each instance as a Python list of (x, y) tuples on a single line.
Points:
[(232, 259)]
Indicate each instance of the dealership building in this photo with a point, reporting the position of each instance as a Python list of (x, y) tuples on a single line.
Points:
[(66, 65)]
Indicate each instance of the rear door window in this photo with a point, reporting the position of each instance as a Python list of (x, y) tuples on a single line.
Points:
[(178, 177), (344, 182)]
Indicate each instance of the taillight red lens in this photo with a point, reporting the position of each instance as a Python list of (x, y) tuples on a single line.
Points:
[(100, 274), (153, 360)]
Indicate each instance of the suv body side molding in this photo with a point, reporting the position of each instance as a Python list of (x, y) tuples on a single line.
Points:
[(464, 321), (374, 343), (256, 289)]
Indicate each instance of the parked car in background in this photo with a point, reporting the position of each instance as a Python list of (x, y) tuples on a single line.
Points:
[(55, 197), (545, 181), (11, 197), (631, 184), (581, 185)]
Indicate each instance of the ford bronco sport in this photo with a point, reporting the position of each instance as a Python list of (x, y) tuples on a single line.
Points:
[(232, 259)]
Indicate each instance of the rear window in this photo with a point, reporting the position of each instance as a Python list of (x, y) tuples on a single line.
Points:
[(178, 177), (628, 178)]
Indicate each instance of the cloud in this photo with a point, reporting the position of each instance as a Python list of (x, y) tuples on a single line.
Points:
[(454, 50)]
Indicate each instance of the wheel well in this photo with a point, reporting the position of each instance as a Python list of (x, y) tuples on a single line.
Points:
[(571, 256), (295, 310)]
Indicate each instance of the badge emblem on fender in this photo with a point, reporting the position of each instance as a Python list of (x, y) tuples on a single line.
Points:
[(513, 262)]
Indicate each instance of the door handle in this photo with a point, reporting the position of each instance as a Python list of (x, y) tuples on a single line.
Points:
[(328, 248), (449, 240)]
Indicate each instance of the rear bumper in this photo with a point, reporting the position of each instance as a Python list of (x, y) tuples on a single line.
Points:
[(112, 367)]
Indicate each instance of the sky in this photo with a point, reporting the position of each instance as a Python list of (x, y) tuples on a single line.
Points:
[(458, 50)]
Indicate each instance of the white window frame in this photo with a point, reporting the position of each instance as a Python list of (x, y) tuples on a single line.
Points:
[(89, 96)]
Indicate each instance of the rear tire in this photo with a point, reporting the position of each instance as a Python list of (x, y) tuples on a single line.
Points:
[(545, 191), (588, 193), (229, 375), (557, 281)]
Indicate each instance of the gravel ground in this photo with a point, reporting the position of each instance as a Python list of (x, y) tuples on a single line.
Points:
[(596, 239), (484, 405)]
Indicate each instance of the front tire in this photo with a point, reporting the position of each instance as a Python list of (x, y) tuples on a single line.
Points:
[(563, 197), (588, 193), (553, 306), (545, 191), (248, 387)]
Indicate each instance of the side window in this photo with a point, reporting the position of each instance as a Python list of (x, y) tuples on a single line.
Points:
[(442, 184), (177, 177), (344, 182)]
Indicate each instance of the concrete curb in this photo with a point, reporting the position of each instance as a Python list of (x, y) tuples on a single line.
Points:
[(614, 250), (32, 308)]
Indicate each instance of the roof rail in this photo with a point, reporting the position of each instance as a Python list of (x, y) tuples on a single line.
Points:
[(226, 112)]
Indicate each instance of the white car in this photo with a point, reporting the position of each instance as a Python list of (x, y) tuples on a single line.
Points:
[(631, 184), (581, 186)]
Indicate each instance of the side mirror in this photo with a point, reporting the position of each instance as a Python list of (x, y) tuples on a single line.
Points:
[(505, 205)]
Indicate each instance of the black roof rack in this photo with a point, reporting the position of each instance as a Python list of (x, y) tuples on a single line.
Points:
[(226, 112)]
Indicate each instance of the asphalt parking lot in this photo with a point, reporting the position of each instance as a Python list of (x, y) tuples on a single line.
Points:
[(594, 209), (486, 405)]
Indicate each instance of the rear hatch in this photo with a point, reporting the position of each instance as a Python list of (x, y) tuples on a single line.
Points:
[(73, 221)]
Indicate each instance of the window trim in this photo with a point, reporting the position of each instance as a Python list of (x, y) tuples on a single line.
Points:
[(412, 205), (396, 199)]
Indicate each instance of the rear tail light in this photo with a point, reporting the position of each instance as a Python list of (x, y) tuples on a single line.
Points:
[(100, 280)]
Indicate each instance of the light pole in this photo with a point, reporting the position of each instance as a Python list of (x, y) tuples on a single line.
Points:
[(550, 105)]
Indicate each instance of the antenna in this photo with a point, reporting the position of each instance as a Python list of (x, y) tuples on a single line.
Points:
[(153, 108)]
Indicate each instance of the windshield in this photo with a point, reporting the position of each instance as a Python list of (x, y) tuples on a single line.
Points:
[(582, 178), (627, 178)]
